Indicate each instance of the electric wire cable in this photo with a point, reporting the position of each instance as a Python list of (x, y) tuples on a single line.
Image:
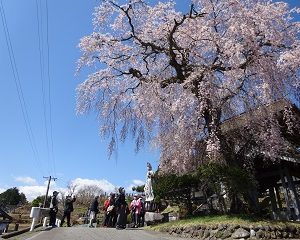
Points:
[(49, 86), (41, 57), (18, 85)]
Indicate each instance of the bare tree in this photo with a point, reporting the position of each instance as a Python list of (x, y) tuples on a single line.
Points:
[(72, 187), (85, 194)]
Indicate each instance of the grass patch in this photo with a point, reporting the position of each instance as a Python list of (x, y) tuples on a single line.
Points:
[(173, 209), (242, 220)]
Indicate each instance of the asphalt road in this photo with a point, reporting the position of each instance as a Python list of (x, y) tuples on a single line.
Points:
[(85, 233)]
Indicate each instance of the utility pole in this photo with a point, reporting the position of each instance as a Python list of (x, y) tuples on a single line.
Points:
[(49, 180)]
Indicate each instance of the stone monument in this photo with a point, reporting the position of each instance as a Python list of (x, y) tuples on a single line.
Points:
[(151, 216), (148, 185)]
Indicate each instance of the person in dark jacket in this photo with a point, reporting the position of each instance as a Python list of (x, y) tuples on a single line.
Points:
[(112, 212), (53, 209), (122, 207), (94, 210), (68, 209), (142, 213)]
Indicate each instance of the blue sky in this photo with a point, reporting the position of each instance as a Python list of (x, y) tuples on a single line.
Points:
[(78, 151)]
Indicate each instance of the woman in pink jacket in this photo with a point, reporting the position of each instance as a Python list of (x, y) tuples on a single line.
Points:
[(135, 208)]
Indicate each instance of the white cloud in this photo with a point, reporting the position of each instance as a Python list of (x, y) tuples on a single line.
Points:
[(138, 182), (52, 184), (31, 192), (26, 180), (135, 182), (105, 185)]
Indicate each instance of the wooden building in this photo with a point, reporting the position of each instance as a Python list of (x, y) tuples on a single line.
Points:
[(278, 178)]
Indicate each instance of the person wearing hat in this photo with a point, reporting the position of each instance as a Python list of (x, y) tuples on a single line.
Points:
[(53, 209), (68, 209)]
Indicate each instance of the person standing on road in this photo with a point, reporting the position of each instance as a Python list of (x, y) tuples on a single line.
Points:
[(53, 209), (135, 208), (105, 207), (68, 209), (142, 212), (111, 211), (122, 207), (94, 210)]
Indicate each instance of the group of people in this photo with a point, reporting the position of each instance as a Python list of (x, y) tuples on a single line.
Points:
[(68, 208), (115, 210), (137, 209)]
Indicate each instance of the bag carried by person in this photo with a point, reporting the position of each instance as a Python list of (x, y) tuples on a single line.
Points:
[(110, 208), (133, 208)]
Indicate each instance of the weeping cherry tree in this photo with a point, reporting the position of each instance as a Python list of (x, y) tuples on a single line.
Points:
[(171, 78)]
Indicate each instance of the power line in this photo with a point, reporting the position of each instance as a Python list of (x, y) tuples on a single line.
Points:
[(45, 74), (19, 86), (49, 86), (41, 57)]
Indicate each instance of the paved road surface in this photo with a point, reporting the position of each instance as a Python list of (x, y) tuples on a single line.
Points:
[(84, 233)]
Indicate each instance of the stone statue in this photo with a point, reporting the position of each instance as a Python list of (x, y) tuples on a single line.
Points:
[(148, 185)]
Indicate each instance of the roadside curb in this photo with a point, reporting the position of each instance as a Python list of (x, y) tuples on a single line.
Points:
[(12, 234)]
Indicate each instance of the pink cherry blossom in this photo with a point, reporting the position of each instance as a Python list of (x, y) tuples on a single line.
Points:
[(172, 78)]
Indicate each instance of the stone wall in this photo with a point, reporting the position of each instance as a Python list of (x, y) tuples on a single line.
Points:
[(224, 231)]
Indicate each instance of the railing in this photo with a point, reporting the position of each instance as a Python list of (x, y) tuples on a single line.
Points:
[(38, 213)]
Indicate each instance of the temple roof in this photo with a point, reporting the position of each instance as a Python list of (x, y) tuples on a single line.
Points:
[(245, 118)]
